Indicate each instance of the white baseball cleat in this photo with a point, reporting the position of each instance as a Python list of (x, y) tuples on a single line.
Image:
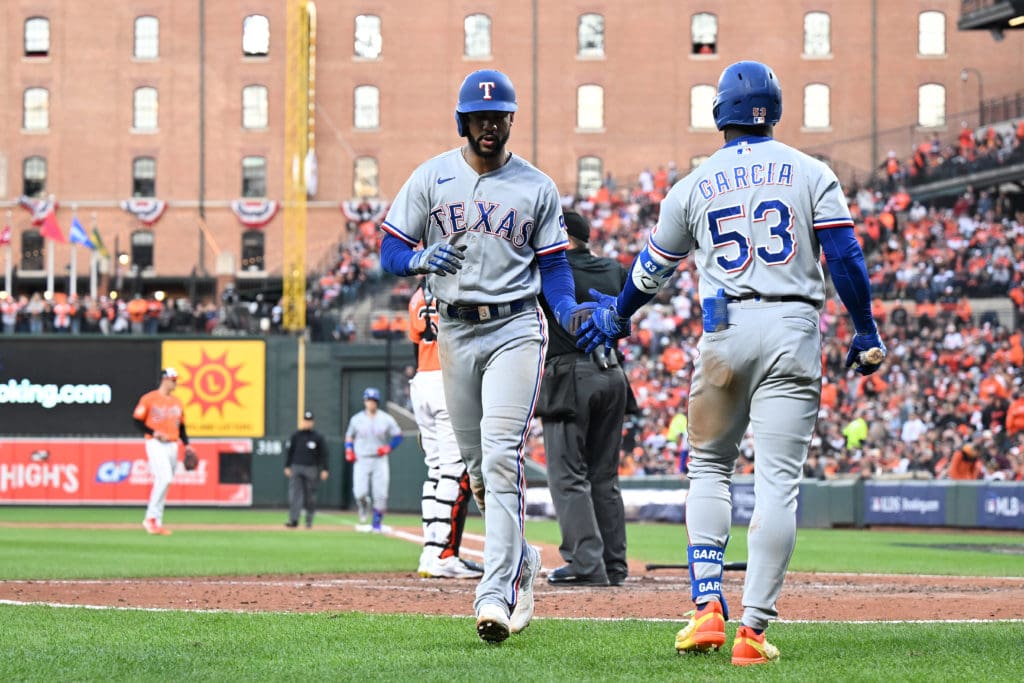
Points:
[(364, 528), (453, 567), (492, 623), (523, 612)]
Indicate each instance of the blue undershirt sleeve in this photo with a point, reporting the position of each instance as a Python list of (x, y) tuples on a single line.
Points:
[(557, 283), (395, 255), (849, 275)]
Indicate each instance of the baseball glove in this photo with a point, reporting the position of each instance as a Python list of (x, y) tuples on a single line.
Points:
[(191, 459)]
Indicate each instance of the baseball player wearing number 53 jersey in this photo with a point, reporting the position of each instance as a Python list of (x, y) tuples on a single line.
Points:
[(493, 236), (757, 215)]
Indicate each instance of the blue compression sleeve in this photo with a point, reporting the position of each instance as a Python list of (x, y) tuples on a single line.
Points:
[(395, 255), (557, 283), (395, 440), (646, 276), (849, 275)]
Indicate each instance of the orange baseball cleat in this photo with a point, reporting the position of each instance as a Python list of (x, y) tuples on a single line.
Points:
[(705, 632), (751, 648)]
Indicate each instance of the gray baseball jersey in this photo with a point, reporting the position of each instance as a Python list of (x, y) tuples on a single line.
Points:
[(367, 433), (751, 211), (505, 219)]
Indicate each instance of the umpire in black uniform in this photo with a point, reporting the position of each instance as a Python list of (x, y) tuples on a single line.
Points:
[(305, 465), (582, 404)]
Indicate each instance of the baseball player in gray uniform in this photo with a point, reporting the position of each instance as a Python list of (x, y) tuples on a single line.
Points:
[(757, 215), (493, 238), (371, 435)]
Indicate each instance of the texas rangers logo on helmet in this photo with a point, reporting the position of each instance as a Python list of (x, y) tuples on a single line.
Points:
[(487, 87)]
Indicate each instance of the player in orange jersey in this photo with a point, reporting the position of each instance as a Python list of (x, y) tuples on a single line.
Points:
[(161, 417)]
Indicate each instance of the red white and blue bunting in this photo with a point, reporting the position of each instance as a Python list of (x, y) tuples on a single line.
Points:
[(254, 213), (362, 210), (146, 209), (39, 208)]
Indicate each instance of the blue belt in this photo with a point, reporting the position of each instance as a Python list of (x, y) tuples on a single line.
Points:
[(483, 312)]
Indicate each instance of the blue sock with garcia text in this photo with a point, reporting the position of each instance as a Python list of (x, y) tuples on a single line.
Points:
[(709, 585)]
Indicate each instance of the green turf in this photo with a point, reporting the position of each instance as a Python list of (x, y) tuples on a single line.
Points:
[(50, 644)]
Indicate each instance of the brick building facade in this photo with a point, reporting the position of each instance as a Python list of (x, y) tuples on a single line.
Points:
[(115, 106)]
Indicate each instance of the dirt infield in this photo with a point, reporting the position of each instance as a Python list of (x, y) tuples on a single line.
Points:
[(657, 594)]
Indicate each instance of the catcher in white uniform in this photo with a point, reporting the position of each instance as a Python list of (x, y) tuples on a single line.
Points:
[(493, 235), (757, 215), (446, 490)]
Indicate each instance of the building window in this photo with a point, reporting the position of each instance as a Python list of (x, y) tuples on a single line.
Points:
[(368, 39), (817, 34), (704, 33), (142, 250), (255, 36), (702, 106), (254, 177), (589, 175), (817, 106), (37, 109), (365, 178), (252, 250), (144, 177), (590, 107), (147, 38), (255, 106), (366, 111), (590, 35), (144, 116), (33, 176), (37, 37), (931, 33), (931, 105), (31, 250), (697, 160), (478, 36)]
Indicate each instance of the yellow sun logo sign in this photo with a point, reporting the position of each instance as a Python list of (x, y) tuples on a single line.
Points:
[(222, 385)]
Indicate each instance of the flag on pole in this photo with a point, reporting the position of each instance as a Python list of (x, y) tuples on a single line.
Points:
[(50, 228), (101, 248), (5, 235), (79, 235)]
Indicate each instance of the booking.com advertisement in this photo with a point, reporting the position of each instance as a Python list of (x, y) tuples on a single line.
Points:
[(116, 472)]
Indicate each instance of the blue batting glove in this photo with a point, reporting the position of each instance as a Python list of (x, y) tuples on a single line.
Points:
[(439, 258), (859, 346), (574, 316), (604, 326)]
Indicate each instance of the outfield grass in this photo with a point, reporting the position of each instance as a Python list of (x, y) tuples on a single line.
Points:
[(57, 644)]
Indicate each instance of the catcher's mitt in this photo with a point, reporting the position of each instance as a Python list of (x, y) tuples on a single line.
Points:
[(191, 459)]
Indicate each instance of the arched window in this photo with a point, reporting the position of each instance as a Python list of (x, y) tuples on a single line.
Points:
[(366, 107), (255, 36), (33, 176), (37, 37), (704, 33), (365, 178), (252, 250), (590, 107), (143, 177), (142, 249), (145, 109), (368, 40), (817, 34), (254, 177), (931, 105), (931, 33), (36, 115), (817, 106), (478, 36), (590, 36), (147, 38), (702, 99), (255, 107), (589, 175)]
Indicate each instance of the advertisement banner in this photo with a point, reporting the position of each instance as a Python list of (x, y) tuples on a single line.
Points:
[(905, 504), (116, 472), (222, 385), (53, 387), (1001, 506)]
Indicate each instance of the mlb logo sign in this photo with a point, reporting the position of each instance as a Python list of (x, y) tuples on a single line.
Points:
[(759, 114), (744, 148)]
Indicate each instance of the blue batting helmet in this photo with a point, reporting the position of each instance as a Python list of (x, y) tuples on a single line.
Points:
[(484, 90), (748, 95), (371, 394)]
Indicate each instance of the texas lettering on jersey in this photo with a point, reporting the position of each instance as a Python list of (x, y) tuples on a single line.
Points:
[(483, 217)]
